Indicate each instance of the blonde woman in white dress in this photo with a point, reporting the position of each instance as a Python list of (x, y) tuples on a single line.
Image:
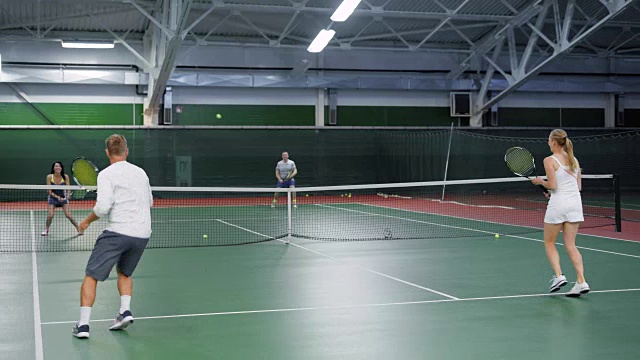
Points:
[(564, 211)]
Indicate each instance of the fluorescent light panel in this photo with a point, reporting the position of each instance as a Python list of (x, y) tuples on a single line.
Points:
[(87, 45), (345, 10), (321, 40)]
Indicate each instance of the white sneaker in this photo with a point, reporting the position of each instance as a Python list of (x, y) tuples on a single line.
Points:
[(578, 289), (45, 233), (80, 331), (557, 282), (122, 321)]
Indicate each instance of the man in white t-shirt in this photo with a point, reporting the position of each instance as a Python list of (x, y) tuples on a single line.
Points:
[(124, 195), (285, 171)]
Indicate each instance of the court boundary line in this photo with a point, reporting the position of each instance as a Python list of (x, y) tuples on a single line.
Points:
[(402, 303), (37, 321), (477, 230), (539, 229), (346, 263)]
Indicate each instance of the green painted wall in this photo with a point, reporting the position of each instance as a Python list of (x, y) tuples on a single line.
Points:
[(392, 116), (551, 117), (631, 117), (284, 115), (292, 115), (69, 114)]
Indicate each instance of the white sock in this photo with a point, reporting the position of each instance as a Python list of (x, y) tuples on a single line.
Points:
[(125, 303), (85, 315)]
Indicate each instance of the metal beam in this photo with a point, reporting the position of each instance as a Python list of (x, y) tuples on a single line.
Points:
[(492, 39), (568, 20), (57, 19), (133, 51), (166, 31), (24, 26), (614, 7), (450, 14), (413, 32), (279, 9), (179, 14)]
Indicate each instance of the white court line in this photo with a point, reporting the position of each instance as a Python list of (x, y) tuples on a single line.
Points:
[(351, 306), (350, 264), (463, 228), (379, 273), (245, 229), (491, 222), (401, 218), (579, 247), (37, 327)]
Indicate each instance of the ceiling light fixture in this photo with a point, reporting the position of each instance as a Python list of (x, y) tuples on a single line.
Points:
[(345, 10), (321, 41), (88, 44)]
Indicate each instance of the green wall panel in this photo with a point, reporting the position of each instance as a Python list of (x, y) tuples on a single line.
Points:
[(582, 118), (554, 117), (70, 114), (393, 116), (284, 115), (631, 117)]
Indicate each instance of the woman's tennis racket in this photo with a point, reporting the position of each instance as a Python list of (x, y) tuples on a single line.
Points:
[(520, 162), (85, 173)]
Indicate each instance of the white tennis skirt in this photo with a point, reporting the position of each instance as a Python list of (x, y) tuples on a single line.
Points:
[(564, 207)]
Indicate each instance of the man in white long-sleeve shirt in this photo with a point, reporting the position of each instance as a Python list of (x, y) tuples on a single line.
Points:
[(124, 195)]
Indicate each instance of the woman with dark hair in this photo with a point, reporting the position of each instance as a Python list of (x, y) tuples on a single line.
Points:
[(58, 197)]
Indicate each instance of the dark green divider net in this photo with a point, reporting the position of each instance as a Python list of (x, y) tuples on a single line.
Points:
[(247, 157)]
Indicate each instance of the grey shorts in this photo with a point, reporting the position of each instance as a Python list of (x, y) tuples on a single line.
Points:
[(112, 248)]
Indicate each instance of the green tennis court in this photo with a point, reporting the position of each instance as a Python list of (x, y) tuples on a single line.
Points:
[(443, 298)]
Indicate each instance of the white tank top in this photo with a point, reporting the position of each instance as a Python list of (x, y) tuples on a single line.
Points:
[(566, 180)]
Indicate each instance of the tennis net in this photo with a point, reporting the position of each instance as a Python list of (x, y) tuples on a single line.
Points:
[(191, 217)]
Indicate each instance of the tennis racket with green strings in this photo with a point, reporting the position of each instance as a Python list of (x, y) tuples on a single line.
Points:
[(85, 174), (521, 162)]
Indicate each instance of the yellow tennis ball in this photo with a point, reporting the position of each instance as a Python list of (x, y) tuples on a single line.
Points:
[(497, 236), (349, 195), (205, 236), (219, 116), (307, 195)]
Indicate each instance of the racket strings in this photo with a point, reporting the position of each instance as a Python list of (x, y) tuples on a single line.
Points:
[(520, 162), (85, 173)]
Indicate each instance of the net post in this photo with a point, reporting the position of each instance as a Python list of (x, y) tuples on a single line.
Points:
[(288, 215), (446, 166), (616, 190)]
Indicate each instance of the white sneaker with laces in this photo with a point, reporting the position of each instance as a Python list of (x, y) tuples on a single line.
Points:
[(557, 282), (122, 321), (578, 289)]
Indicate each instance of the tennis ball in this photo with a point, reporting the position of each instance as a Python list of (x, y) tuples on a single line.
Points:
[(219, 116), (342, 195), (205, 236), (307, 195), (497, 236), (349, 195)]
